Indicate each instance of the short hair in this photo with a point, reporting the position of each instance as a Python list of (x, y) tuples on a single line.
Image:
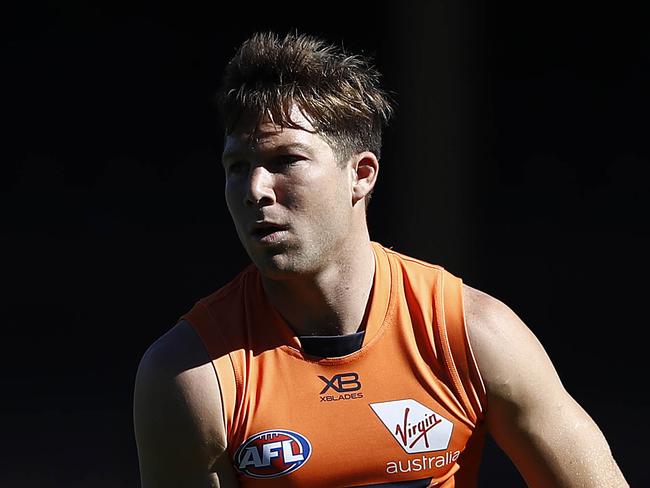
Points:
[(340, 94)]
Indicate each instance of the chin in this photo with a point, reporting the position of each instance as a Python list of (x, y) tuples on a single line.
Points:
[(277, 273), (280, 266)]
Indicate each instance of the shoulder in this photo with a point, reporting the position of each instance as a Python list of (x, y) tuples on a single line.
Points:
[(506, 350), (491, 322), (538, 424), (176, 358), (483, 308), (177, 410)]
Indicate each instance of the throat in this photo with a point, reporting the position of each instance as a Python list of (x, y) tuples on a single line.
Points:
[(333, 302)]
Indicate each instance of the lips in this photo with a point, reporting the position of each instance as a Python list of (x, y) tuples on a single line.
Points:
[(264, 229)]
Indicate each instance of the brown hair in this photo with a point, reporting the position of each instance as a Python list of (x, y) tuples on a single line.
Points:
[(339, 93)]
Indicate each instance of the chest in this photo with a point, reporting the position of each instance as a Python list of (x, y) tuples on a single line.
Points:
[(382, 415)]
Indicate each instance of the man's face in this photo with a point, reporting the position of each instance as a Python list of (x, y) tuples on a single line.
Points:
[(289, 198)]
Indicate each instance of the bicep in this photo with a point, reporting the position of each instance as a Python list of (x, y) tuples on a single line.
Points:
[(549, 437), (179, 429)]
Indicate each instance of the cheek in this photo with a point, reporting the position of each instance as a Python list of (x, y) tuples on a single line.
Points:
[(294, 194), (232, 191), (229, 201), (232, 202), (322, 189)]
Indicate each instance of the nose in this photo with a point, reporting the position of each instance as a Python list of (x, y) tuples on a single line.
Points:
[(259, 190)]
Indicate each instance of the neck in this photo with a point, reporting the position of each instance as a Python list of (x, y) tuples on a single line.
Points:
[(330, 302)]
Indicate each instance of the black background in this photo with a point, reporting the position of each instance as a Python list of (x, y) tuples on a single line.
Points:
[(518, 160)]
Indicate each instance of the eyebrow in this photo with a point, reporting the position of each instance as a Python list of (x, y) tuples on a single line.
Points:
[(292, 146)]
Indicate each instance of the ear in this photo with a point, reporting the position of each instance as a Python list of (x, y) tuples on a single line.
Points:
[(365, 167)]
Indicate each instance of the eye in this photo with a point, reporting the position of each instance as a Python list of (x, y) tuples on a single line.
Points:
[(286, 160), (236, 167)]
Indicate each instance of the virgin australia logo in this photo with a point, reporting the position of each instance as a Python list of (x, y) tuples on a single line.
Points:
[(415, 427)]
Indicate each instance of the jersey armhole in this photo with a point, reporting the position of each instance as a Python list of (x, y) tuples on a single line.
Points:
[(203, 323), (466, 372)]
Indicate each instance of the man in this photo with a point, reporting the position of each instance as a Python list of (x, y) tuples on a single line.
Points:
[(331, 360)]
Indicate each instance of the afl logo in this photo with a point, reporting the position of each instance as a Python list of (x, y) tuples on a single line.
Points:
[(272, 453)]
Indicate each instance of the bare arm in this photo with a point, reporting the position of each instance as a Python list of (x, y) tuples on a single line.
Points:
[(177, 413), (544, 431)]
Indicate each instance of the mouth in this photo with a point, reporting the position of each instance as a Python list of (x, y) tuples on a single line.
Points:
[(268, 233)]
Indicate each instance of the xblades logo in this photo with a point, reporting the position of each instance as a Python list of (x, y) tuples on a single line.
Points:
[(344, 384), (340, 382)]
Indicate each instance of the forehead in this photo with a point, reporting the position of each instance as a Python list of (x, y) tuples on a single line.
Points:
[(250, 136)]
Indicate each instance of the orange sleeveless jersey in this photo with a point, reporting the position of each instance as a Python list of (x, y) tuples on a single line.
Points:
[(407, 406)]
